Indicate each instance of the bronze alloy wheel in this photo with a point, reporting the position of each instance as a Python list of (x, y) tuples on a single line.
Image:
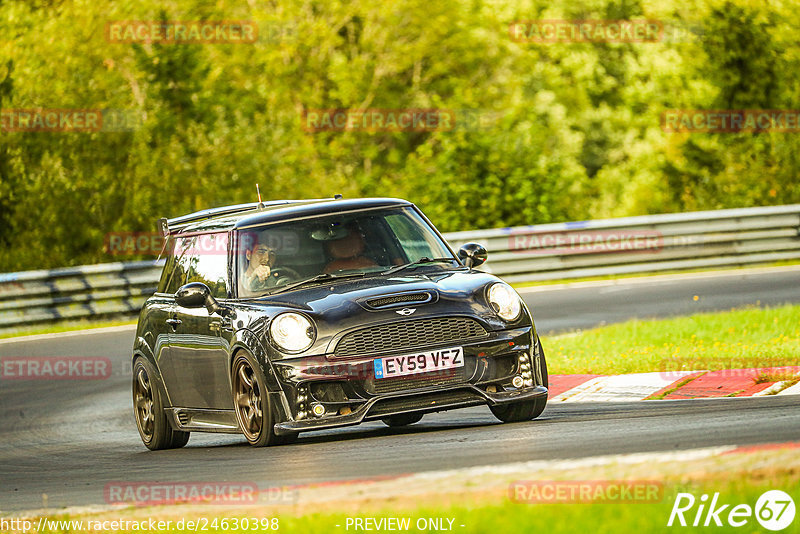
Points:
[(254, 412), (148, 408), (143, 404), (247, 397)]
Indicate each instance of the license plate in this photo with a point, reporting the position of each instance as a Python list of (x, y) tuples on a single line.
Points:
[(419, 362)]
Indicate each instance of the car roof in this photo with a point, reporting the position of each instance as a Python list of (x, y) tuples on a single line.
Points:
[(248, 215)]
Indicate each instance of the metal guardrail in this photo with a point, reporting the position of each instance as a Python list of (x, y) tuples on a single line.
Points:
[(106, 289), (652, 243)]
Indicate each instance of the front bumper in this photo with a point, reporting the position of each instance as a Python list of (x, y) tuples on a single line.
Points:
[(350, 394), (418, 401)]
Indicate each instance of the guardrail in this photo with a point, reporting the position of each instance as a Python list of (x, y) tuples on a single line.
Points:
[(652, 243), (107, 289)]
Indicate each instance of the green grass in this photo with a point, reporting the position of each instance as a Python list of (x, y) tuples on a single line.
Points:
[(736, 339), (484, 514), (510, 518), (64, 327)]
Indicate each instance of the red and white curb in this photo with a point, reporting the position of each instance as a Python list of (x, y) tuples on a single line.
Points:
[(674, 385)]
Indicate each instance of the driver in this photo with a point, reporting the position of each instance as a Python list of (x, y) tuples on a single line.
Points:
[(260, 273)]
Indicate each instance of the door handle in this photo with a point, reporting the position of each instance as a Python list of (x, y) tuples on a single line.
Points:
[(173, 322)]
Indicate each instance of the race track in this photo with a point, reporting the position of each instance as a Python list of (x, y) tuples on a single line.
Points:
[(68, 439)]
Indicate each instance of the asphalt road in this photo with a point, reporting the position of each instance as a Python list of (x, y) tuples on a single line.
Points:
[(68, 439)]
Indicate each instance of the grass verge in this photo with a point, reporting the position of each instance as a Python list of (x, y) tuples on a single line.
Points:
[(736, 339), (65, 327), (568, 518)]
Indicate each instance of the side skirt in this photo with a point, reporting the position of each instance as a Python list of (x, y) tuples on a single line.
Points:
[(198, 420)]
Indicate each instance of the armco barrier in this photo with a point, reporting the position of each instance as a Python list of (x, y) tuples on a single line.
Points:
[(107, 289), (652, 243)]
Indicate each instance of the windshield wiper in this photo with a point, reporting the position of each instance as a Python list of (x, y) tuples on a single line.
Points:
[(324, 277), (417, 263)]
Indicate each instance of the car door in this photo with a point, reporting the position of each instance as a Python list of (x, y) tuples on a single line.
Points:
[(197, 372)]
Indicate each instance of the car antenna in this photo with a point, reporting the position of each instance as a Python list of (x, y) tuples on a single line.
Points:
[(261, 205)]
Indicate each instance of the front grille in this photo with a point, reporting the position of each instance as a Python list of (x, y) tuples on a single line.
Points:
[(430, 400), (402, 383), (408, 335), (382, 302)]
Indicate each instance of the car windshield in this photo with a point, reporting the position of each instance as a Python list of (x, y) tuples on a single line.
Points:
[(346, 245)]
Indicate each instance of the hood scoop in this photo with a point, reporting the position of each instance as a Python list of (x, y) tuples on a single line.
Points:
[(399, 299)]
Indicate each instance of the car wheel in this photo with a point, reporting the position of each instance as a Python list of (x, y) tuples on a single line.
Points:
[(527, 410), (252, 404), (148, 407), (402, 419)]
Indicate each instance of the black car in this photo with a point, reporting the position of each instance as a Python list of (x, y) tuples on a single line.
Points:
[(276, 318)]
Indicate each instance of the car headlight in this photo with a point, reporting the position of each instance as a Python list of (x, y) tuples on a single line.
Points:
[(505, 301), (292, 332)]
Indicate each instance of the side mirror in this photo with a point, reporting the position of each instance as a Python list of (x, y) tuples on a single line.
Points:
[(198, 295), (472, 254)]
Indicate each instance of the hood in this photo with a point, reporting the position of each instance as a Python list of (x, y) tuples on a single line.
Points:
[(347, 305)]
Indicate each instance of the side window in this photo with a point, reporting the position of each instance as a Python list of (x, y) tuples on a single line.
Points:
[(208, 262), (179, 259)]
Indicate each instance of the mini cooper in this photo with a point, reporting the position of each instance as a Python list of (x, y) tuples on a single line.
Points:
[(275, 318)]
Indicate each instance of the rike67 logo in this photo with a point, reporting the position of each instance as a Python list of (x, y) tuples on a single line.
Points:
[(774, 510)]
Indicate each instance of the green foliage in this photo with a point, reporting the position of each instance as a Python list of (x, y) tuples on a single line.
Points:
[(556, 132)]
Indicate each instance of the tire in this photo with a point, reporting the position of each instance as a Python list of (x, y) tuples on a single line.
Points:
[(254, 412), (402, 419), (526, 410), (148, 409)]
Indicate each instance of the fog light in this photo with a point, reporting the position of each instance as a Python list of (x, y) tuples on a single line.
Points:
[(318, 409), (517, 381)]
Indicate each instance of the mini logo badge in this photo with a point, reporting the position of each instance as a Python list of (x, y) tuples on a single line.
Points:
[(406, 311)]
